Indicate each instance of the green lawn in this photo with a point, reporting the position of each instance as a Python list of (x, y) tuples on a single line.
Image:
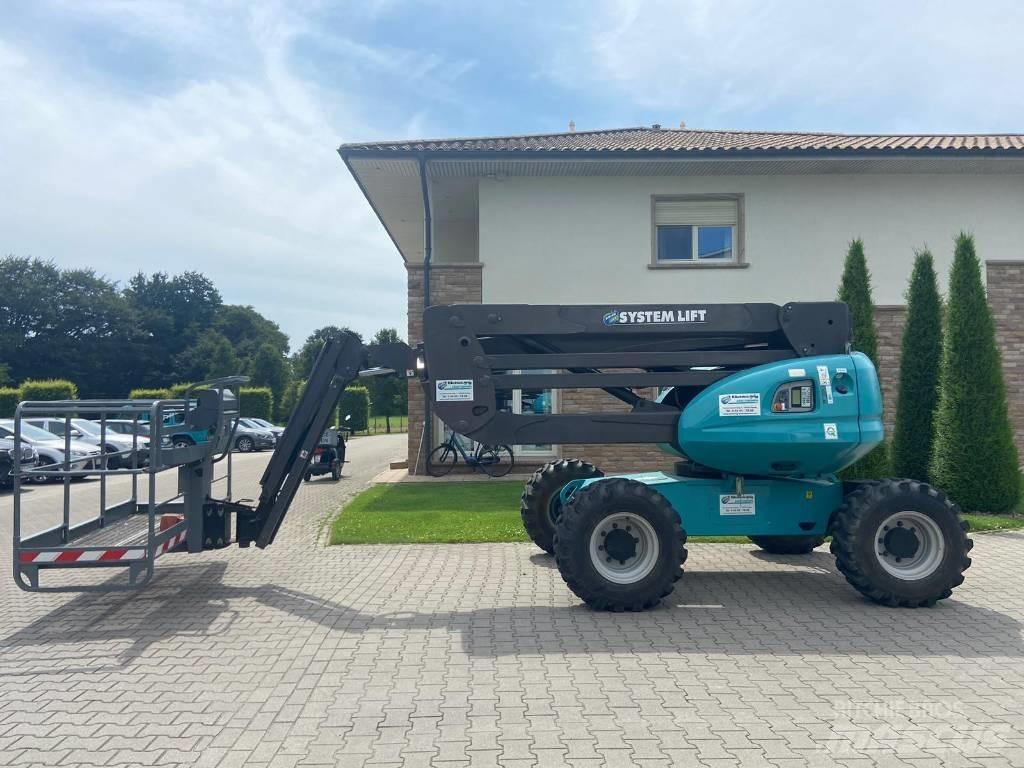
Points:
[(469, 512)]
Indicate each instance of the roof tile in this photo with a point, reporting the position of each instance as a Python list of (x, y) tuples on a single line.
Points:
[(688, 141)]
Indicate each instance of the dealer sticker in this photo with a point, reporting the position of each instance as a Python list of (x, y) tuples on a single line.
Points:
[(831, 432), (797, 373), (453, 390), (746, 404), (736, 504)]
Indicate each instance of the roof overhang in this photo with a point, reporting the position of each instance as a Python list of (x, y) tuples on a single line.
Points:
[(391, 179)]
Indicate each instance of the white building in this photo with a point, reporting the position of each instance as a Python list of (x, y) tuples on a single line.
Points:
[(645, 215)]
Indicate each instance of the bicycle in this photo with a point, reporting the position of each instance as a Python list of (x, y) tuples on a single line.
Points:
[(493, 460)]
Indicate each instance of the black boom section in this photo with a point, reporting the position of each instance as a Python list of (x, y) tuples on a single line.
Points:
[(337, 365), (473, 351)]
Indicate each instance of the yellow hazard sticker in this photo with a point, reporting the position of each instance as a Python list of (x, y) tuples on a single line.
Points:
[(808, 495)]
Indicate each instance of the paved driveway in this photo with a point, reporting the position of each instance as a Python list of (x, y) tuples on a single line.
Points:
[(478, 655)]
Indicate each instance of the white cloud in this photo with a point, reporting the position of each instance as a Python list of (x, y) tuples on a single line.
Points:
[(234, 176), (914, 66)]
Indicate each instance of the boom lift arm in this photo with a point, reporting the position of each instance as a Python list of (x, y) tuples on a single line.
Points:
[(339, 363)]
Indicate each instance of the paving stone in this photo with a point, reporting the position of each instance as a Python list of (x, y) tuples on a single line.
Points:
[(478, 655)]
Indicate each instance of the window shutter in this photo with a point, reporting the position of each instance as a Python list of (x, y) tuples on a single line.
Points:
[(716, 213)]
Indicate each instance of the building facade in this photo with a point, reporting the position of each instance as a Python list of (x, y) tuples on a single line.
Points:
[(683, 216)]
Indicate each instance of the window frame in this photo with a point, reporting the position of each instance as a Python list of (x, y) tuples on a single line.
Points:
[(739, 259)]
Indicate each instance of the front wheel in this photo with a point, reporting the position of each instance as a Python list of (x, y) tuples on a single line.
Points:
[(901, 543), (619, 545), (441, 460), (245, 444)]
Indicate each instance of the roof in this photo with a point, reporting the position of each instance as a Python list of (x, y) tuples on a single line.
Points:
[(693, 142)]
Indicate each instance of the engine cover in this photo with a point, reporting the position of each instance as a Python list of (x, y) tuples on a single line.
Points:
[(807, 416)]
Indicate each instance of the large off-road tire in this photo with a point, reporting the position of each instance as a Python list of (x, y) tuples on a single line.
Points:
[(901, 543), (540, 505), (788, 545), (620, 546)]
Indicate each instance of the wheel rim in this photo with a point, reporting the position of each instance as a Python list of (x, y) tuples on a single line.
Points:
[(245, 445), (909, 545), (624, 548)]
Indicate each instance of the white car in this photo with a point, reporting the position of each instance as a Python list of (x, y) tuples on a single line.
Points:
[(51, 449), (90, 432)]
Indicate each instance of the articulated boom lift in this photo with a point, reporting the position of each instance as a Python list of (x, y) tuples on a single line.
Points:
[(761, 405)]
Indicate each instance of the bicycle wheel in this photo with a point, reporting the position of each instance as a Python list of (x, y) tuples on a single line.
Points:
[(497, 460), (441, 460)]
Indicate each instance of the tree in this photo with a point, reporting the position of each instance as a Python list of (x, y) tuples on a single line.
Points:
[(974, 458), (172, 312), (210, 357), (389, 395), (248, 330), (302, 363), (919, 373), (269, 368), (65, 323), (855, 290)]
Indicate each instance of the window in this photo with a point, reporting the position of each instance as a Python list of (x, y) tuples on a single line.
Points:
[(697, 231)]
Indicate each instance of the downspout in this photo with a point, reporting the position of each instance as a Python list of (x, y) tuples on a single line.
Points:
[(428, 252)]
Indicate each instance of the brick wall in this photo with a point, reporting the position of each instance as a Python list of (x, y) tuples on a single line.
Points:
[(611, 458), (889, 322), (449, 284), (1006, 297)]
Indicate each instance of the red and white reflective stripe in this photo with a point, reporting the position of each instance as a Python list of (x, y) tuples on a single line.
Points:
[(119, 554), (82, 556), (172, 542)]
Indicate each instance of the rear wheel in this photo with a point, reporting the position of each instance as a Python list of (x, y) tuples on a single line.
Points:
[(901, 543), (619, 545), (335, 470), (788, 545), (441, 460), (541, 505)]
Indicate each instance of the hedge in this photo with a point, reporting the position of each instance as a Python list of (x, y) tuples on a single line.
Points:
[(291, 396), (48, 389), (257, 402), (152, 393), (9, 399), (355, 402), (974, 459), (178, 390)]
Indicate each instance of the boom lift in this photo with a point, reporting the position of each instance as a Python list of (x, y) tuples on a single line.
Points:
[(762, 405)]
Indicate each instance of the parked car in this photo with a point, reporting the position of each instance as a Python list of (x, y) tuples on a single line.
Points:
[(29, 457), (91, 432), (264, 424), (51, 449), (251, 437), (131, 427)]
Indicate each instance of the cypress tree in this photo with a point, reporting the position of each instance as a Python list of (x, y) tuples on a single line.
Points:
[(921, 351), (974, 459), (855, 290)]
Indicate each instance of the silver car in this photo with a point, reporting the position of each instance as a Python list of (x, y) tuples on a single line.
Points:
[(120, 446), (250, 436), (50, 448), (264, 424), (27, 459)]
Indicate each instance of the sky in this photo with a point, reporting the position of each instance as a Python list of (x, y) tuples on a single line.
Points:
[(168, 136)]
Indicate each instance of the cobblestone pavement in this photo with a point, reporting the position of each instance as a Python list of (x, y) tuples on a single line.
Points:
[(478, 655)]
